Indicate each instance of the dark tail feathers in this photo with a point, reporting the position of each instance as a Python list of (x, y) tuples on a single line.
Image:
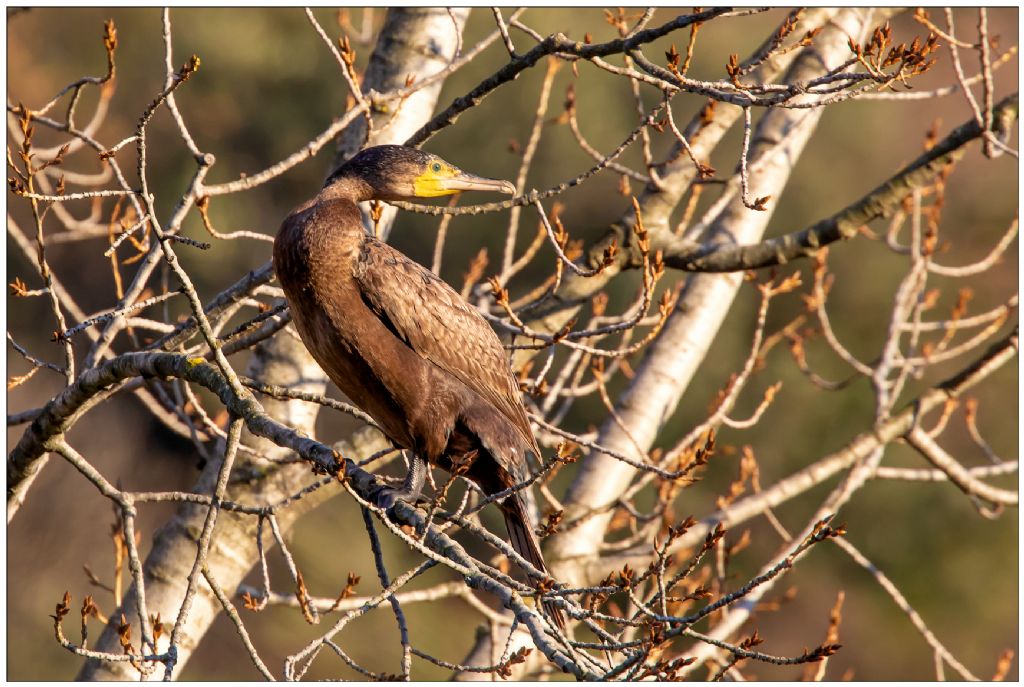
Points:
[(525, 543)]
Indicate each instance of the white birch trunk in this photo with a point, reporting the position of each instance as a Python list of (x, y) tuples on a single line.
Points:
[(417, 41), (671, 361)]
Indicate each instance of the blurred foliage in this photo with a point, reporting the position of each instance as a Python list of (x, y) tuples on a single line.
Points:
[(267, 85)]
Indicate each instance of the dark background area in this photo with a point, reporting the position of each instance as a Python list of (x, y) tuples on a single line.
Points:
[(267, 85)]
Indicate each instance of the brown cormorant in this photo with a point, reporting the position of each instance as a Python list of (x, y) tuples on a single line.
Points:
[(401, 343)]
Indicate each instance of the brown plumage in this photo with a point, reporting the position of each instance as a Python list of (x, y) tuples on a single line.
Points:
[(399, 342)]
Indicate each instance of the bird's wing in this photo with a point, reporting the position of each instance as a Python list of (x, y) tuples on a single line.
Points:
[(433, 320)]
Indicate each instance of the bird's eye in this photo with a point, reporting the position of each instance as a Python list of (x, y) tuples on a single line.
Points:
[(436, 167)]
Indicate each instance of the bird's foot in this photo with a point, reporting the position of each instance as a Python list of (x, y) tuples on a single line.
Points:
[(385, 497)]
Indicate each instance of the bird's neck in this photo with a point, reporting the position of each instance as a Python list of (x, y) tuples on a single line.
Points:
[(350, 188)]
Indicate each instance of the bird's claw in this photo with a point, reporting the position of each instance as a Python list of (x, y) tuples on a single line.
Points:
[(386, 498)]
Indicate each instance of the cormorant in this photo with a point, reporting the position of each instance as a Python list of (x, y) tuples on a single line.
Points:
[(400, 342)]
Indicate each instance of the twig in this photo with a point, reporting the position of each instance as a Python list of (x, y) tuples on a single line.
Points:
[(905, 606)]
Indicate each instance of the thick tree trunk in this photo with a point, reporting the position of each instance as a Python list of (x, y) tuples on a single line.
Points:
[(417, 41), (674, 356), (233, 552), (671, 361)]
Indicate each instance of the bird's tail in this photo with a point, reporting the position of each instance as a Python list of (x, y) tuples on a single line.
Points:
[(525, 543)]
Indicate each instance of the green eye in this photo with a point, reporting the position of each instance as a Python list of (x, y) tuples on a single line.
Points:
[(436, 167)]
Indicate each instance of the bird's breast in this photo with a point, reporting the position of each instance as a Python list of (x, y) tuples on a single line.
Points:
[(376, 370)]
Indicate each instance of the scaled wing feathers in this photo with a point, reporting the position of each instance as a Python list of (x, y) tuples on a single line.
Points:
[(438, 324)]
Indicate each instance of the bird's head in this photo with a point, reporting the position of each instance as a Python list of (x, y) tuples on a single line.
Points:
[(393, 172)]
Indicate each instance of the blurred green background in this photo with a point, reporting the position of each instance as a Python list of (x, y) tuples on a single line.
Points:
[(267, 85)]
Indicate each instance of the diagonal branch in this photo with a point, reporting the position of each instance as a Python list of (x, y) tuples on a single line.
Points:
[(843, 225)]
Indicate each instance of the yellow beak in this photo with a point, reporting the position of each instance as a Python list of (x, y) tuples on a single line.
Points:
[(431, 184)]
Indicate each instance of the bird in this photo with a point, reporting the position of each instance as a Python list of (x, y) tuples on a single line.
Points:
[(401, 343)]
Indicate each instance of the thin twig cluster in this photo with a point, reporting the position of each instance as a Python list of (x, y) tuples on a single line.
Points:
[(656, 593)]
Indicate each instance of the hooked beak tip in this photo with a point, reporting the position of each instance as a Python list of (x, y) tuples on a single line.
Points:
[(471, 182)]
